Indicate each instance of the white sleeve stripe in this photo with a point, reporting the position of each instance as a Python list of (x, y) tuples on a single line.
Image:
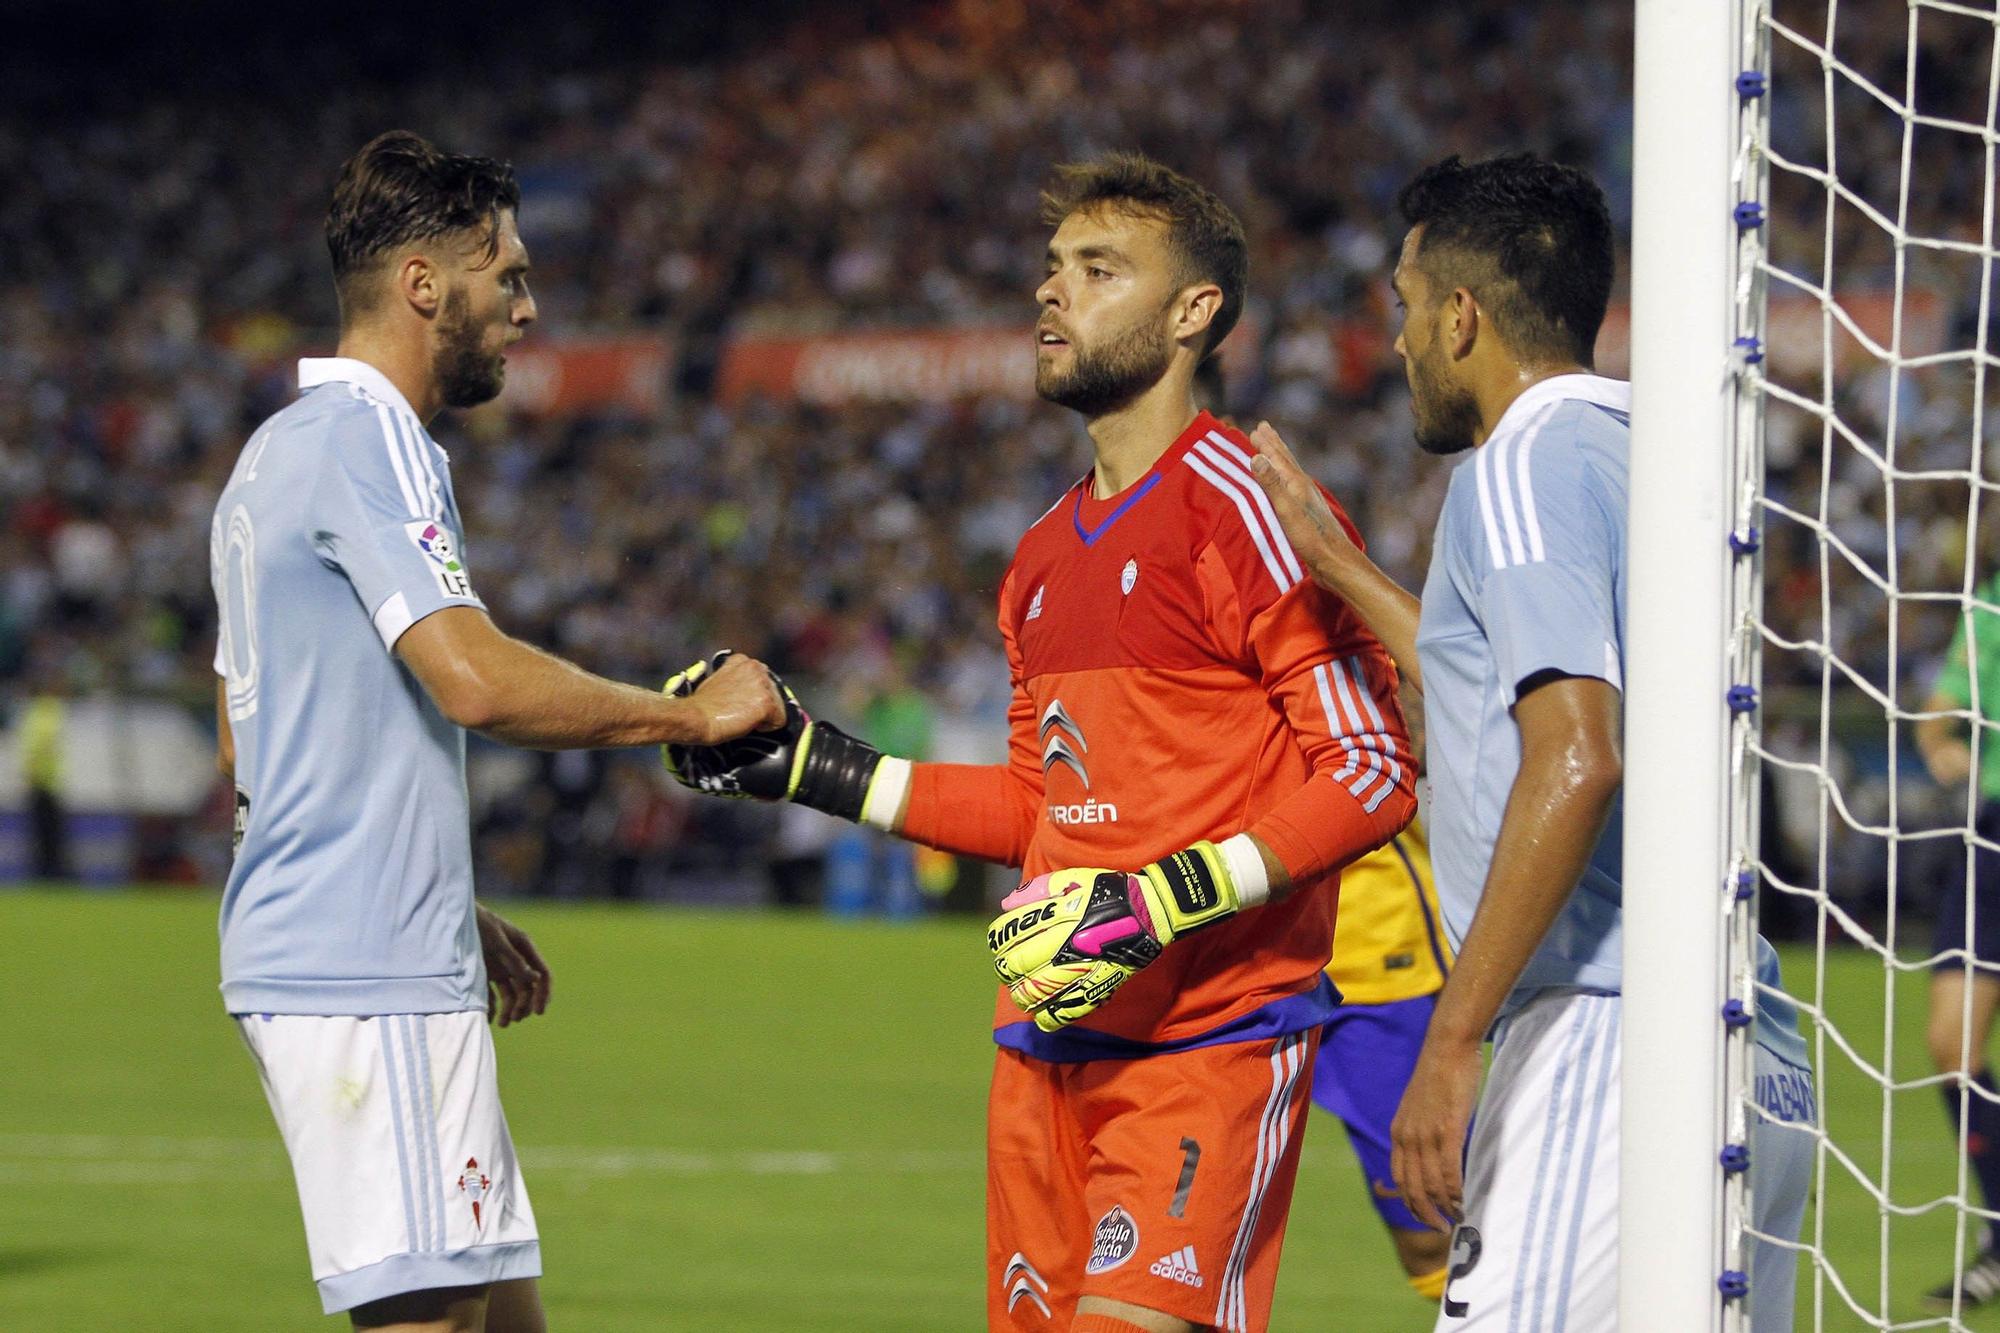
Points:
[(1498, 458), (1381, 734), (1336, 727), (1493, 547), (1277, 571), (1263, 523), (1260, 499), (1345, 775), (1504, 497), (421, 471), (1369, 742), (392, 439), (1535, 549), (1375, 741), (1360, 675), (1347, 734), (421, 441)]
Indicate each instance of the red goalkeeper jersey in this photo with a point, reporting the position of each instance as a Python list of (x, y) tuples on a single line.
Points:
[(1178, 677)]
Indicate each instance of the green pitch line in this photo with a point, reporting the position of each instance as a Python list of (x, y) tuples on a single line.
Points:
[(731, 1122)]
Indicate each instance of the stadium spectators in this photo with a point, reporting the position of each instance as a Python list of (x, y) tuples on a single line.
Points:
[(160, 263)]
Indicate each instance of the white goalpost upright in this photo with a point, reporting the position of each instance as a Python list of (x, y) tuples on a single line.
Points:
[(1680, 1211), (1816, 196)]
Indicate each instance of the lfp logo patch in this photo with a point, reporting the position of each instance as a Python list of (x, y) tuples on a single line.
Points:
[(436, 541), (1115, 1241)]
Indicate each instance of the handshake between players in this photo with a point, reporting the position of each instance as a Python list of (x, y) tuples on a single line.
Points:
[(1063, 943)]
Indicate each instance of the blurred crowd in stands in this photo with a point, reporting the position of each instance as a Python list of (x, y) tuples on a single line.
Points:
[(161, 264)]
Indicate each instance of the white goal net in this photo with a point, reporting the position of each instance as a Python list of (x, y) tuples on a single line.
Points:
[(1856, 390)]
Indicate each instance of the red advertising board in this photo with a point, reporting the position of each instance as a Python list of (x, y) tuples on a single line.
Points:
[(904, 365)]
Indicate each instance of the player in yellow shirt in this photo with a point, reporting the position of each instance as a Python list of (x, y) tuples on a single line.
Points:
[(1390, 957)]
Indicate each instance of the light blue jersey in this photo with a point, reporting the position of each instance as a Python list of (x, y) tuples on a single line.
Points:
[(1527, 575), (352, 887)]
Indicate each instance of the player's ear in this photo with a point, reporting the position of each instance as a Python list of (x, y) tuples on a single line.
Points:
[(1195, 310), (1460, 325), (421, 283)]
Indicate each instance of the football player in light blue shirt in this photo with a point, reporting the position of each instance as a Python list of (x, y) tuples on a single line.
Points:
[(1518, 646), (354, 654)]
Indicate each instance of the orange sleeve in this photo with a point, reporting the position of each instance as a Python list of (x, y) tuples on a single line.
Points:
[(1336, 686), (984, 810)]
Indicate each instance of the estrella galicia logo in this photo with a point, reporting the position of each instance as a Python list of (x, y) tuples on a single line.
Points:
[(1115, 1241), (1057, 730)]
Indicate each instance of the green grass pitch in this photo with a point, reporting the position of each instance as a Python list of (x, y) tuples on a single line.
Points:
[(730, 1122)]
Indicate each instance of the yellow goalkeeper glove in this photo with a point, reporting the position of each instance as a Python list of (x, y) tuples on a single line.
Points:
[(1073, 937)]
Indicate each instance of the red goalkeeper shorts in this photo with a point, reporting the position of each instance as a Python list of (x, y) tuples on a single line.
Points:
[(1163, 1181)]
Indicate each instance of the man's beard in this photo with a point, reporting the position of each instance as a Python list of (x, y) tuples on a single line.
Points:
[(467, 373), (1110, 376), (1447, 417)]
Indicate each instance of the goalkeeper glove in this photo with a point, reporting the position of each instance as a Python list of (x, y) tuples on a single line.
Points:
[(1073, 937), (814, 764)]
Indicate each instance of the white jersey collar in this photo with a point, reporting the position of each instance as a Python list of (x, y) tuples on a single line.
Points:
[(317, 370), (1598, 389)]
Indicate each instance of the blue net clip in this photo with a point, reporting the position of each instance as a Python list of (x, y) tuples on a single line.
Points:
[(1749, 215), (1735, 1014), (1751, 347), (1746, 885), (1742, 698), (1752, 83), (1746, 541), (1733, 1283), (1736, 1159)]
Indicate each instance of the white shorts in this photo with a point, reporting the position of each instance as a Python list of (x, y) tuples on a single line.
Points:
[(405, 1169), (1538, 1250)]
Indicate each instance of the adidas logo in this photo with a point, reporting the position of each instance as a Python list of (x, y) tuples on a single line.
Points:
[(1179, 1266), (1035, 606)]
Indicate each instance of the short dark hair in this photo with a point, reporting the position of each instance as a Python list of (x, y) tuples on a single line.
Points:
[(401, 188), (1529, 237), (1204, 234)]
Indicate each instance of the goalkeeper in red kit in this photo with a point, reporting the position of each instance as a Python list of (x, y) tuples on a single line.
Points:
[(1200, 737)]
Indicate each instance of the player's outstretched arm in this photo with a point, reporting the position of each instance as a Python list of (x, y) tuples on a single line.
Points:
[(1331, 556), (1570, 772), (1069, 939), (492, 683)]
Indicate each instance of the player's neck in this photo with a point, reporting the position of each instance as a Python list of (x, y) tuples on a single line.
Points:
[(1130, 439), (406, 367), (1496, 392)]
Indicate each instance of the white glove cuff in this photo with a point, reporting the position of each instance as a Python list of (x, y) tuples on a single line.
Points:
[(1246, 868), (882, 808)]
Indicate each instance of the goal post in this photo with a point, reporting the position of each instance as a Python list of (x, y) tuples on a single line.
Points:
[(1689, 176)]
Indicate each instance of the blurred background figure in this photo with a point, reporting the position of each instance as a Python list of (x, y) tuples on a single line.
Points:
[(40, 728)]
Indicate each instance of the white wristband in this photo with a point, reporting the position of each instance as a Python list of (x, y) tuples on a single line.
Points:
[(1246, 867), (883, 805)]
